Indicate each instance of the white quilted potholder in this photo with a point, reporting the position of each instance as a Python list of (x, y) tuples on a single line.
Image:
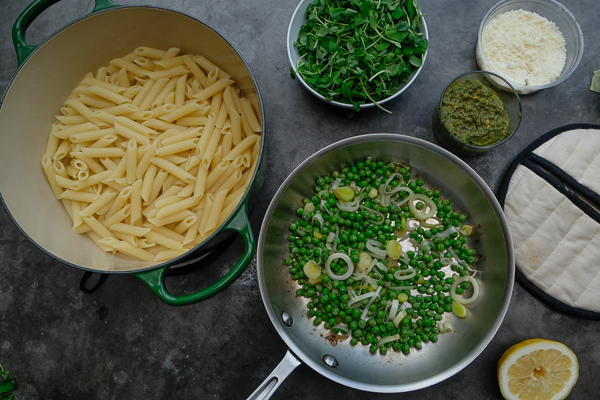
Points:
[(556, 227)]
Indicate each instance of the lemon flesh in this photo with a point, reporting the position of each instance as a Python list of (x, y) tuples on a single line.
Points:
[(537, 369)]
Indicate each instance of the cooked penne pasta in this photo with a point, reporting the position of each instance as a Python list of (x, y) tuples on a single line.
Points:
[(152, 153)]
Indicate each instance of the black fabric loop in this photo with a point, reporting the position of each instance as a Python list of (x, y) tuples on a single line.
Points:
[(566, 185), (581, 190), (86, 276), (564, 189)]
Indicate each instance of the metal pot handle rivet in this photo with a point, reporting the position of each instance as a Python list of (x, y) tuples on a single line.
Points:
[(330, 361)]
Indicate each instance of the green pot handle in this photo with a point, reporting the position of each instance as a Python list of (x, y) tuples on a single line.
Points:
[(155, 279), (30, 14)]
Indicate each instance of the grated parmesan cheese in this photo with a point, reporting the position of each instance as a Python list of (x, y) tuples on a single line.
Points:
[(523, 47)]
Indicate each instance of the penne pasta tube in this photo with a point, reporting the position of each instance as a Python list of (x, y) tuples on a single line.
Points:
[(142, 93), (118, 216), (78, 195), (131, 92), (97, 240), (236, 126), (191, 133), (180, 91), (211, 90), (177, 147), (248, 112), (164, 240), (136, 202), (131, 67), (131, 163), (205, 214), (160, 99), (108, 94), (208, 66), (241, 147), (149, 52), (215, 211), (71, 119), (171, 218), (173, 169), (100, 202), (176, 207), (119, 202), (162, 110), (169, 73), (131, 134), (170, 62), (127, 248), (151, 95), (86, 112), (48, 168), (65, 132), (169, 254), (167, 232), (97, 227), (162, 125), (195, 69), (123, 78), (211, 147), (94, 152), (148, 181), (92, 135), (182, 111), (129, 229), (60, 169), (101, 83)]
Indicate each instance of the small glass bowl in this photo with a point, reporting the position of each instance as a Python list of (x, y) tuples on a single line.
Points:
[(552, 11), (511, 101)]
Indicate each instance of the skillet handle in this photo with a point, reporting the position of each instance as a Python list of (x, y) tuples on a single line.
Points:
[(240, 223), (282, 371), (29, 15)]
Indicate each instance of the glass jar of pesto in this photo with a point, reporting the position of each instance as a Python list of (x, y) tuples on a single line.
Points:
[(472, 118)]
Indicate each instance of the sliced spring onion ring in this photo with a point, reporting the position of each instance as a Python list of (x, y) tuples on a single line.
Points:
[(411, 273), (401, 315), (375, 247), (309, 207), (428, 202), (445, 327), (324, 207), (466, 230), (348, 261), (377, 213), (349, 206), (312, 270), (335, 185), (402, 189), (319, 218), (341, 327), (356, 301), (459, 310), (393, 310), (366, 310), (446, 233), (435, 223), (388, 339), (460, 280)]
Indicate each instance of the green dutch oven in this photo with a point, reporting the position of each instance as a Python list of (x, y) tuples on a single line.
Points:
[(47, 74)]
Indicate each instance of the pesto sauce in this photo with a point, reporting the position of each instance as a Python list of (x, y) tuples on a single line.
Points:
[(474, 114)]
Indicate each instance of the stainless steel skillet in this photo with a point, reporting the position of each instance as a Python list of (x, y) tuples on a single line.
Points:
[(355, 366)]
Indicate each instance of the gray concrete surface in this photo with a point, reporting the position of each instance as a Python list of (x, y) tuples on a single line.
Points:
[(122, 342)]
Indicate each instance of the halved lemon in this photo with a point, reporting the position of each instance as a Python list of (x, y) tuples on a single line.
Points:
[(537, 369)]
